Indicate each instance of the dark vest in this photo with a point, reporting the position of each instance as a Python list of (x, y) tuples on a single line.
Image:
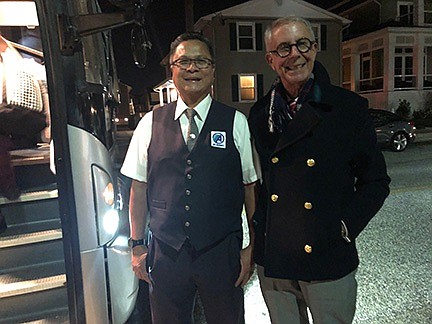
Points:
[(194, 195)]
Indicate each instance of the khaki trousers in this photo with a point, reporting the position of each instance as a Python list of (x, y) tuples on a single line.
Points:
[(329, 302)]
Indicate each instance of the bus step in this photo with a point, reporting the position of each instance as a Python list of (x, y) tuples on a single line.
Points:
[(38, 248), (49, 295), (58, 316), (30, 238), (31, 279), (30, 196)]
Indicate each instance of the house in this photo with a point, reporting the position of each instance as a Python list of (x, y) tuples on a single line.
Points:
[(242, 74), (387, 51)]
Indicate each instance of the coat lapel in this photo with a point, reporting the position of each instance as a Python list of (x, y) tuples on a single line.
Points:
[(304, 121)]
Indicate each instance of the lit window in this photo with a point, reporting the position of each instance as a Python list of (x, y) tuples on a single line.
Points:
[(247, 87)]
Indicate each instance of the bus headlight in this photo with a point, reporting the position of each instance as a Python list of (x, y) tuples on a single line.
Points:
[(110, 221), (107, 216)]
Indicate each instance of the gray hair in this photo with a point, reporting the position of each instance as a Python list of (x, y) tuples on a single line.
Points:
[(285, 21)]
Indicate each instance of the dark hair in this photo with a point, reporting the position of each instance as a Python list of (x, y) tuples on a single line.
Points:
[(190, 36)]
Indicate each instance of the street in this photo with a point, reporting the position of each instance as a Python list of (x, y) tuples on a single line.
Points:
[(394, 276)]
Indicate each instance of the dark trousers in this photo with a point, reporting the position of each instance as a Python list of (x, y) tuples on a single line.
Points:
[(177, 276)]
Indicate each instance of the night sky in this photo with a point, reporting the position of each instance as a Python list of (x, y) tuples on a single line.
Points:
[(165, 19)]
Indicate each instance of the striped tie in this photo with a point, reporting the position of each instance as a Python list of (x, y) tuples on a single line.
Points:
[(192, 132), (293, 108)]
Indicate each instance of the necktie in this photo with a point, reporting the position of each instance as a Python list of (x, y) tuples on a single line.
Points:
[(192, 132), (293, 107)]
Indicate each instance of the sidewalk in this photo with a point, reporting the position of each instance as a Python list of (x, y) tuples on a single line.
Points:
[(424, 135)]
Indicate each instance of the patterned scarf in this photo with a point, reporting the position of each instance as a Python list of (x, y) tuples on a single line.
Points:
[(282, 109)]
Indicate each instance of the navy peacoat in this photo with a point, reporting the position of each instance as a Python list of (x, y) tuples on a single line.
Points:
[(324, 168)]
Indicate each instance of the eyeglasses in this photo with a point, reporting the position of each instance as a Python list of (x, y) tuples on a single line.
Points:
[(303, 45), (200, 63)]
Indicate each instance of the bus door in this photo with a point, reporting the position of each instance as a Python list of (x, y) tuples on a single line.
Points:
[(64, 255)]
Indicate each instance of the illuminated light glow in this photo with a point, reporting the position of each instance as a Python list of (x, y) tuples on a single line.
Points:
[(110, 221), (116, 120), (121, 240), (18, 13), (108, 194), (126, 119)]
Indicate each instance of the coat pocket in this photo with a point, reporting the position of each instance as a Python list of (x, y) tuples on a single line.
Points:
[(160, 204)]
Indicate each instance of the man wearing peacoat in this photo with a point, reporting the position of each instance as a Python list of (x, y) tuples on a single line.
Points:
[(324, 178)]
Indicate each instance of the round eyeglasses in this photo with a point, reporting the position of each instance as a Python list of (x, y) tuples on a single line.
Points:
[(200, 63), (284, 49)]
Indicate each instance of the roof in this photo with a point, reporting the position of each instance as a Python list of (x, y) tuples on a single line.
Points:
[(274, 9), (346, 5)]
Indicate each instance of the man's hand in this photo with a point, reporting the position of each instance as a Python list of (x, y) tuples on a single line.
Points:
[(246, 266), (139, 255)]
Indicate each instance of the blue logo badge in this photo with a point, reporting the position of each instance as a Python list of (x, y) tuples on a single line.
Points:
[(218, 139)]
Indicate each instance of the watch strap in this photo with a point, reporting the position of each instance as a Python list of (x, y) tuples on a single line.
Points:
[(133, 243)]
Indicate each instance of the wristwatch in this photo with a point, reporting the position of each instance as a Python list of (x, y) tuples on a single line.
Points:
[(132, 243)]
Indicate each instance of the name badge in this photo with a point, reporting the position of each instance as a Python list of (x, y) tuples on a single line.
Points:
[(218, 139)]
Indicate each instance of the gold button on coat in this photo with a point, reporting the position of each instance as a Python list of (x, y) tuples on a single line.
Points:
[(308, 248), (310, 162), (274, 197), (308, 205), (275, 159)]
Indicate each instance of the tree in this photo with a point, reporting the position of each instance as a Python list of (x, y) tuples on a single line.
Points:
[(404, 109)]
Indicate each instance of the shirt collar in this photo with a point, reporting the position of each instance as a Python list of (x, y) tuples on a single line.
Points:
[(202, 108)]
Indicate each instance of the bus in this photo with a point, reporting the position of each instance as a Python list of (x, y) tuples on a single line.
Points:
[(64, 256)]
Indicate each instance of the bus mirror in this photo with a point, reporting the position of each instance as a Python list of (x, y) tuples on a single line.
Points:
[(140, 44)]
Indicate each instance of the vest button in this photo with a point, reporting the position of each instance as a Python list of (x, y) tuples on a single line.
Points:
[(310, 162), (275, 159), (189, 162), (308, 248), (274, 198), (187, 224), (187, 207), (189, 176), (308, 205), (187, 192)]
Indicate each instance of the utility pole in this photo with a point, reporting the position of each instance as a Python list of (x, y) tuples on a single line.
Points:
[(189, 15)]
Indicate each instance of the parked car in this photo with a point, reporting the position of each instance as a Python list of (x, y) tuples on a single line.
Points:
[(392, 130)]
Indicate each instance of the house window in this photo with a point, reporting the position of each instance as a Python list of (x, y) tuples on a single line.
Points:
[(428, 11), (246, 87), (405, 12), (320, 33), (427, 67), (404, 68), (246, 36), (346, 70), (372, 70)]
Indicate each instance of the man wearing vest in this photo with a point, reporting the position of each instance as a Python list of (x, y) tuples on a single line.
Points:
[(192, 170), (324, 178)]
